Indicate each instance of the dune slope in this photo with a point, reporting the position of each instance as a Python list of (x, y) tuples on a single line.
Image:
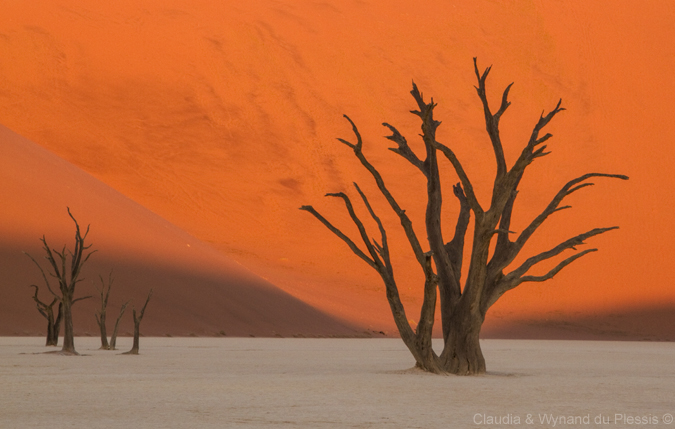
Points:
[(197, 290), (222, 119)]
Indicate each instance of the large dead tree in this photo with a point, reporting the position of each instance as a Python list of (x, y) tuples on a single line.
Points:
[(489, 276), (137, 327), (47, 311), (67, 276)]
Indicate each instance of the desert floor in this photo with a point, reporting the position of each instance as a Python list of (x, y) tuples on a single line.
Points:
[(256, 382)]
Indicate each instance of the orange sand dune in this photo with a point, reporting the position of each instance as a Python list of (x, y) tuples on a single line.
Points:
[(197, 290), (222, 119)]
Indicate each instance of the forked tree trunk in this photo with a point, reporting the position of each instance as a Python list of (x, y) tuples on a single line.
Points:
[(462, 354)]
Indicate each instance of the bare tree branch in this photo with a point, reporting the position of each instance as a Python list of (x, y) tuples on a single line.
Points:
[(505, 286), (568, 244), (557, 268), (41, 306), (492, 121), (529, 153), (44, 276), (361, 228), (455, 247), (506, 257), (81, 298), (517, 276), (403, 148), (340, 234), (405, 221), (503, 241), (383, 249), (464, 179), (147, 300)]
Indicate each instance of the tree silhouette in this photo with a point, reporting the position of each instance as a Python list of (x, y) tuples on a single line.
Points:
[(463, 309), (100, 314), (137, 327), (67, 277)]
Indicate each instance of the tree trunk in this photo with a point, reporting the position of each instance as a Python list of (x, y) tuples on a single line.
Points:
[(100, 320), (113, 338), (56, 327), (52, 337), (462, 354), (53, 326), (426, 359), (137, 334), (68, 336), (104, 334)]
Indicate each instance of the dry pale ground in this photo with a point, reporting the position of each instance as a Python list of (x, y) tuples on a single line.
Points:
[(314, 383)]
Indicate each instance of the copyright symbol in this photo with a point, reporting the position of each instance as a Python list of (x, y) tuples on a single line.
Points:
[(667, 418)]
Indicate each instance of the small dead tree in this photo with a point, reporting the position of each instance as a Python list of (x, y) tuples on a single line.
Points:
[(67, 277), (137, 327), (100, 315), (463, 309), (47, 310)]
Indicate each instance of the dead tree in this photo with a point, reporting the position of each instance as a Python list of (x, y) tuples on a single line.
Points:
[(137, 327), (68, 278), (113, 337), (47, 310), (463, 309), (100, 314)]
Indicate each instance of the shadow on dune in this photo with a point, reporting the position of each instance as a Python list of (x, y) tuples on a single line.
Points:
[(655, 323), (185, 302)]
